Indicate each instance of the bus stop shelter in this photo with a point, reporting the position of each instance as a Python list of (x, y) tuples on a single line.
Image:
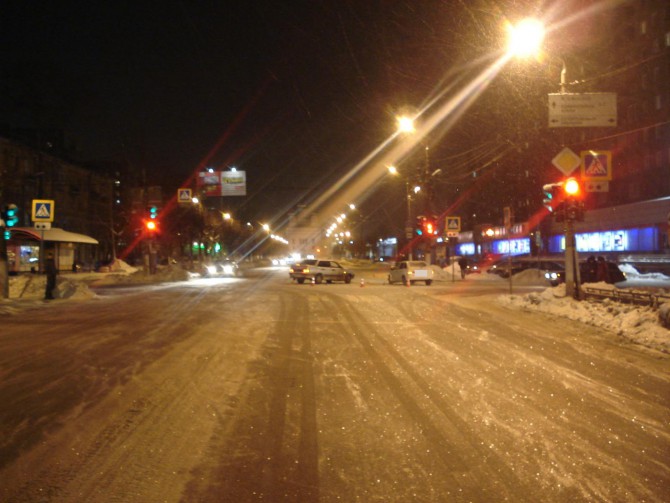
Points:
[(27, 246)]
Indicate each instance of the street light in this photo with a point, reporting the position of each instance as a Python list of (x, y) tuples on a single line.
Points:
[(524, 39), (405, 124)]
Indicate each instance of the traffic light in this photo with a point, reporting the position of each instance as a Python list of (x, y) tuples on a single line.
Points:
[(552, 194), (572, 188), (152, 212), (574, 204), (10, 215), (429, 227), (420, 222), (151, 226), (564, 199)]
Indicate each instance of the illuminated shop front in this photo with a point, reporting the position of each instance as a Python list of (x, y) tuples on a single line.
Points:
[(626, 240)]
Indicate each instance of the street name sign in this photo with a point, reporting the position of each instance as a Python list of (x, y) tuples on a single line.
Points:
[(43, 210), (582, 110)]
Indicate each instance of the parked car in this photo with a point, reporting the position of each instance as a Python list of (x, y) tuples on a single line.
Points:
[(411, 271), (319, 270), (588, 273)]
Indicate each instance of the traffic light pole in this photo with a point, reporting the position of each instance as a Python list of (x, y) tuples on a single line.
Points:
[(572, 273), (4, 265)]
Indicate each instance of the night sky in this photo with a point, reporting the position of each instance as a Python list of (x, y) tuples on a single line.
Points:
[(293, 92)]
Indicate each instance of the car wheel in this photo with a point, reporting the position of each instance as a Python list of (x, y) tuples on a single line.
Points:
[(318, 279), (404, 281), (300, 281), (347, 278), (429, 282), (389, 280)]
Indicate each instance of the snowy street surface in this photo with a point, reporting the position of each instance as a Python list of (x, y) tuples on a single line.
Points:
[(259, 389)]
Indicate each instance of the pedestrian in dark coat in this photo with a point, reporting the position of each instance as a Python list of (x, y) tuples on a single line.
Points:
[(603, 271), (51, 271)]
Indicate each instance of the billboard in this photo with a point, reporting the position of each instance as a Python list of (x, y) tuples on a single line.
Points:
[(233, 183), (209, 183), (222, 183)]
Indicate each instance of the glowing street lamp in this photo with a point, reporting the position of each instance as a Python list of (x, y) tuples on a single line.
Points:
[(405, 124), (524, 39)]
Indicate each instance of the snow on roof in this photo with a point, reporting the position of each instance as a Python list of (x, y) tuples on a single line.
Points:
[(56, 234)]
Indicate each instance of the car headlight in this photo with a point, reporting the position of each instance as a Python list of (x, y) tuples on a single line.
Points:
[(211, 269), (228, 269)]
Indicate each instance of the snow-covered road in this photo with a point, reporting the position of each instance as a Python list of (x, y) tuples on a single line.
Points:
[(258, 389)]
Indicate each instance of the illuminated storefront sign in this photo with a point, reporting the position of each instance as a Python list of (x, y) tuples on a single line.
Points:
[(466, 249), (519, 246), (629, 240)]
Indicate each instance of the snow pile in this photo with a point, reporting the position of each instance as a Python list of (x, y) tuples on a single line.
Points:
[(640, 325), (120, 266), (33, 287)]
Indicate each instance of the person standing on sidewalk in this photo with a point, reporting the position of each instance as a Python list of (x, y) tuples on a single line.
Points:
[(51, 272)]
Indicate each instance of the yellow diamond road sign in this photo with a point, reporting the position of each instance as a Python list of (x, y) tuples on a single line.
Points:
[(567, 161)]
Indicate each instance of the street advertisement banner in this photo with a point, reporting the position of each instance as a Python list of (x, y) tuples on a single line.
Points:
[(233, 183)]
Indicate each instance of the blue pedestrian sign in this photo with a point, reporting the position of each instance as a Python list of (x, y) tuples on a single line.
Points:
[(184, 195), (43, 210)]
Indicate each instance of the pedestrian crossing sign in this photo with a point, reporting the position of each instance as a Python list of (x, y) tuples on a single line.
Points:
[(453, 224), (184, 195), (43, 210), (596, 165)]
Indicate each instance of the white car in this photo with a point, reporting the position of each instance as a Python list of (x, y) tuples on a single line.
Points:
[(319, 271), (411, 271)]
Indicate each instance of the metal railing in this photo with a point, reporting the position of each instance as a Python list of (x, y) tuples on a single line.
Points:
[(628, 297)]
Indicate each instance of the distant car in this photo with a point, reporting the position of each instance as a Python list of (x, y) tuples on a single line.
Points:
[(411, 271), (503, 268), (318, 271), (227, 268)]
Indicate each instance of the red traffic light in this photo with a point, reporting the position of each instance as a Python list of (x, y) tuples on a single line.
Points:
[(572, 187), (151, 225)]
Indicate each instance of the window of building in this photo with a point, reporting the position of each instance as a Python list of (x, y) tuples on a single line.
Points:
[(667, 39), (659, 102), (643, 28)]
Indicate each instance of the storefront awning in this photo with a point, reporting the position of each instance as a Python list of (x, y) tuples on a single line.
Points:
[(53, 234)]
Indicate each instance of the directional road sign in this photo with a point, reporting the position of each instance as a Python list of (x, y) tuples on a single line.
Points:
[(43, 210), (582, 110)]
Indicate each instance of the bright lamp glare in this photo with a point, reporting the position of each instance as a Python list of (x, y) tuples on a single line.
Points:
[(405, 124), (525, 38)]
